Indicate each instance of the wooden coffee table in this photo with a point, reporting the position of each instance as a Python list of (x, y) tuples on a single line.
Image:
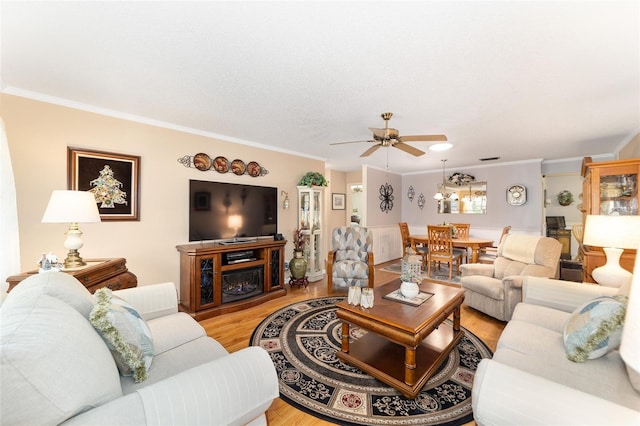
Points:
[(405, 344)]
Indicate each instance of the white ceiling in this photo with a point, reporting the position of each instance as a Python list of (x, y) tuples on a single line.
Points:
[(518, 80)]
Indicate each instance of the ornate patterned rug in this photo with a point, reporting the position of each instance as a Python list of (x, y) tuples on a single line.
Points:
[(303, 338), (437, 275)]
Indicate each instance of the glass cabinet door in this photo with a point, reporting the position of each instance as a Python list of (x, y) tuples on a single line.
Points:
[(612, 188), (310, 220)]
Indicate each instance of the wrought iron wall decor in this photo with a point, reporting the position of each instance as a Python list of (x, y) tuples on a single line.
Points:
[(220, 164), (411, 193), (386, 197), (421, 201)]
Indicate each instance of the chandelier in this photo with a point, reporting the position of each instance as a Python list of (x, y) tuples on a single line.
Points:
[(442, 189)]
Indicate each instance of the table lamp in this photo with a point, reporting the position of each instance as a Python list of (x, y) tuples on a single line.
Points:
[(613, 234), (73, 207)]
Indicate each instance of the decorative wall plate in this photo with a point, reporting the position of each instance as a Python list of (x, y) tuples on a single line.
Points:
[(253, 169), (238, 167), (221, 164), (202, 162), (517, 195)]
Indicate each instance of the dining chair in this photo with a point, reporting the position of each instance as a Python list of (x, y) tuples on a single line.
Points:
[(462, 233), (488, 255), (440, 249), (405, 235)]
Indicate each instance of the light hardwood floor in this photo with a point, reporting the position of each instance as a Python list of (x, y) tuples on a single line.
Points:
[(234, 330)]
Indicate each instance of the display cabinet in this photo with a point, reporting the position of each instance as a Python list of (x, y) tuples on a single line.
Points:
[(310, 222), (609, 188)]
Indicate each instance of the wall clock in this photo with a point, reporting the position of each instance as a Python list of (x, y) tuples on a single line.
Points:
[(517, 195)]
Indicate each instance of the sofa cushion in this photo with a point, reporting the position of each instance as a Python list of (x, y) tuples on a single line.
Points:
[(594, 328), (60, 285), (126, 333), (172, 331), (181, 358), (53, 363)]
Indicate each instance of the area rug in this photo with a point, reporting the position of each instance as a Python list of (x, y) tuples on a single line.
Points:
[(438, 275), (302, 340)]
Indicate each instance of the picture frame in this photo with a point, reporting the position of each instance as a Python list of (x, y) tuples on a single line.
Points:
[(114, 178), (338, 201)]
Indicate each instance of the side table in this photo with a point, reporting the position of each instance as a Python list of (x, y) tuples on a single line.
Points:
[(97, 273)]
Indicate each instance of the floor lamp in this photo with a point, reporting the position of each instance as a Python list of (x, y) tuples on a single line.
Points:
[(614, 234)]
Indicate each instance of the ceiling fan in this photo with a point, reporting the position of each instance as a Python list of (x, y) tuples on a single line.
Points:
[(391, 137)]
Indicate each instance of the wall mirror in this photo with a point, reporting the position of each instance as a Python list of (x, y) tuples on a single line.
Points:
[(465, 199)]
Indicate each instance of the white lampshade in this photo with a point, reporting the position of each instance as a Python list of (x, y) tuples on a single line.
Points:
[(72, 207), (613, 234), (630, 344)]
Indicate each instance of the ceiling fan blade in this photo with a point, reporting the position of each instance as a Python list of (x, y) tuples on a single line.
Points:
[(408, 148), (423, 138), (371, 150), (342, 143)]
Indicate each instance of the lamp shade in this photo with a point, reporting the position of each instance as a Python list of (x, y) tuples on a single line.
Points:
[(621, 232), (71, 206), (630, 344)]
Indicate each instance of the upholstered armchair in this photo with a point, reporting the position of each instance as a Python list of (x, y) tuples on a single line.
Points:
[(496, 288), (350, 261)]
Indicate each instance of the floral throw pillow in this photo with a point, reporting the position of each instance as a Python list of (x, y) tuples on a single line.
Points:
[(594, 328), (127, 335)]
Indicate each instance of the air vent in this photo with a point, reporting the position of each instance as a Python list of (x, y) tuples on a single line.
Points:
[(489, 158)]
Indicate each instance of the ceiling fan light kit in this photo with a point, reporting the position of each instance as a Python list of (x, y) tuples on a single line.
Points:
[(389, 137)]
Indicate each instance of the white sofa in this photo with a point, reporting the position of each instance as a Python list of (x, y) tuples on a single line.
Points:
[(57, 369), (530, 380)]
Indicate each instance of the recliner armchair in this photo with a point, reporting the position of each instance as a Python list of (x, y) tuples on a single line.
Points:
[(496, 288), (350, 261)]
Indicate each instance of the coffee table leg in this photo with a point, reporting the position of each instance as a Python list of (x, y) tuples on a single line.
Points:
[(456, 319), (409, 366), (345, 337)]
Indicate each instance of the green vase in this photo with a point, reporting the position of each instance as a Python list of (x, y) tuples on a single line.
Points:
[(298, 266)]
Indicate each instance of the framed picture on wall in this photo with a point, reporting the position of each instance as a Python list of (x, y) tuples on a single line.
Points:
[(113, 178), (338, 201)]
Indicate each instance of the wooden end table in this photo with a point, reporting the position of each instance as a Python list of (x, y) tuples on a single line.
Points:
[(405, 344), (98, 273)]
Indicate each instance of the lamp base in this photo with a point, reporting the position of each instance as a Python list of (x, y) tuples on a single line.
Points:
[(611, 274), (73, 260)]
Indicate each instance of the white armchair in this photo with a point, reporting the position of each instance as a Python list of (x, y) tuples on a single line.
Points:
[(496, 288)]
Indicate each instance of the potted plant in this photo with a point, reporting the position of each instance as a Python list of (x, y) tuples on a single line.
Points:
[(298, 265), (313, 178), (410, 280)]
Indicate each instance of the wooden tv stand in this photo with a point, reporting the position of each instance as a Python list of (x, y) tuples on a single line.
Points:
[(214, 277)]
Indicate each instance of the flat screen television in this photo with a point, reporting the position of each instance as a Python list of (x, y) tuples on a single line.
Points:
[(231, 212)]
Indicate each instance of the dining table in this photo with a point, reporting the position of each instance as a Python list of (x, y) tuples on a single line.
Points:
[(473, 243)]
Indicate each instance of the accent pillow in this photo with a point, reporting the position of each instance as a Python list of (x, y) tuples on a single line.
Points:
[(127, 335), (594, 328)]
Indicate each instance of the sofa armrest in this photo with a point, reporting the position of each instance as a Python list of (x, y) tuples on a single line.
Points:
[(232, 390), (483, 269), (152, 301), (562, 295), (503, 395)]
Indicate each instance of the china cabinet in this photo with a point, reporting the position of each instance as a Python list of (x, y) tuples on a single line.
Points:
[(609, 188), (310, 221)]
